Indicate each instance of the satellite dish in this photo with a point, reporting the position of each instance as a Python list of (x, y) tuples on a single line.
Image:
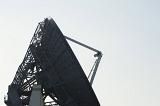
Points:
[(51, 63)]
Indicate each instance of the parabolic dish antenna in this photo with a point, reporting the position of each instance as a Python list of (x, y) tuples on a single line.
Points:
[(51, 63)]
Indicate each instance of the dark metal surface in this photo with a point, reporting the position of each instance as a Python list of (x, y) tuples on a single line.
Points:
[(49, 61)]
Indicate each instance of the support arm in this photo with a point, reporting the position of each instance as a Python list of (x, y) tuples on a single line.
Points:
[(95, 66)]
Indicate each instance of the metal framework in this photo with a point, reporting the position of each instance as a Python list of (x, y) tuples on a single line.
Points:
[(98, 54), (27, 75)]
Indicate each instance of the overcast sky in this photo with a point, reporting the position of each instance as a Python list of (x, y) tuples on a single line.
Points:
[(126, 31)]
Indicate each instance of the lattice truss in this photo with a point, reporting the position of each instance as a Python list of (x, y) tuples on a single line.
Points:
[(25, 76)]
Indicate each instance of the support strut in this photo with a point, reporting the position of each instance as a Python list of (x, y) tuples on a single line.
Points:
[(98, 54)]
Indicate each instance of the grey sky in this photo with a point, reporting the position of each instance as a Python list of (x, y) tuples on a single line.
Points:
[(126, 31)]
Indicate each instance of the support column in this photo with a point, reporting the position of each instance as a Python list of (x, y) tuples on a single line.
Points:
[(36, 97)]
